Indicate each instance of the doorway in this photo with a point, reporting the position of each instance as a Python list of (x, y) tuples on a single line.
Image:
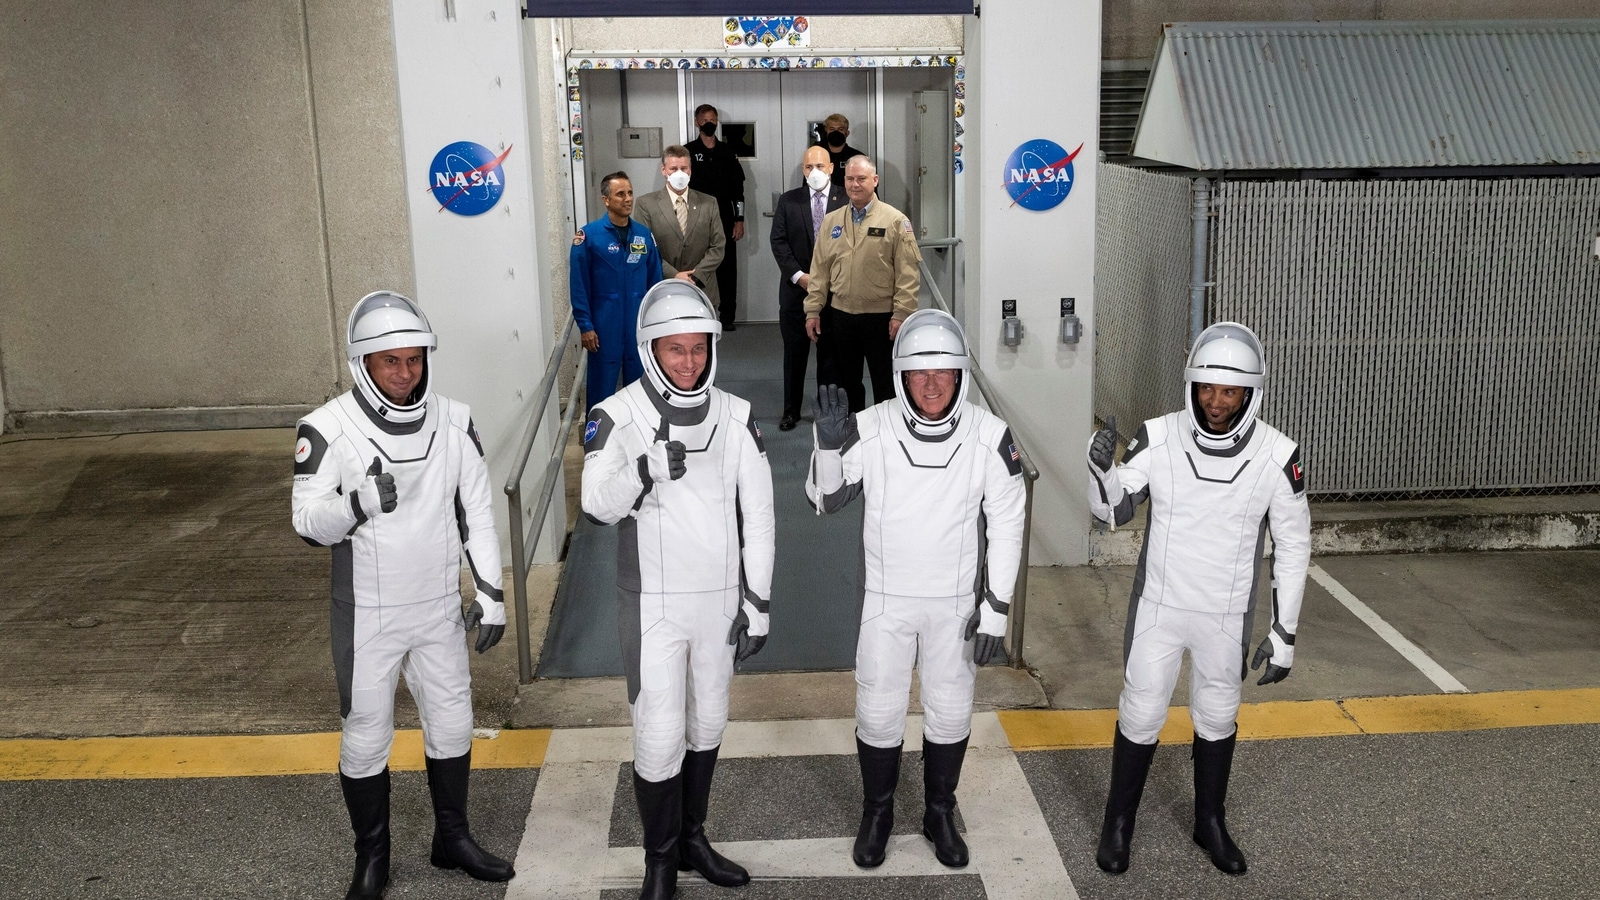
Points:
[(886, 106)]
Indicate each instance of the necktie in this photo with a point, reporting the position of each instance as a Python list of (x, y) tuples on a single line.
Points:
[(817, 213), (683, 213)]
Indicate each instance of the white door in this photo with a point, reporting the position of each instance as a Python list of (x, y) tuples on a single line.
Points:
[(781, 104)]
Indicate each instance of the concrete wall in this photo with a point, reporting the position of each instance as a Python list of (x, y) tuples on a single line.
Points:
[(195, 195), (1131, 26)]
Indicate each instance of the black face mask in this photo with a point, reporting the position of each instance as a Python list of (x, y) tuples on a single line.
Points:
[(836, 139), (708, 128)]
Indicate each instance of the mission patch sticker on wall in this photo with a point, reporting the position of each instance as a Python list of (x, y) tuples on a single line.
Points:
[(1039, 174), (466, 178)]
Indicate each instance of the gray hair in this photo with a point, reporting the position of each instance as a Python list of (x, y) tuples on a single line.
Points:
[(864, 160)]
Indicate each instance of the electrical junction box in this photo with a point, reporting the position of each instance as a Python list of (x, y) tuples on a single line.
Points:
[(638, 143)]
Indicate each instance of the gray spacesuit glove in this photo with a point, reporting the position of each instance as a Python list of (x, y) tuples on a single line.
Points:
[(836, 424), (1103, 448), (483, 619), (1278, 654), (664, 460), (748, 634), (376, 493), (988, 626)]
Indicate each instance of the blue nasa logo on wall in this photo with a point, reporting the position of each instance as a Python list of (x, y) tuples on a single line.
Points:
[(1038, 174), (466, 178)]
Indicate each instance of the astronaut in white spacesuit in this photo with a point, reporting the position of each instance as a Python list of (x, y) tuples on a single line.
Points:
[(1217, 478), (680, 467), (942, 483), (392, 477)]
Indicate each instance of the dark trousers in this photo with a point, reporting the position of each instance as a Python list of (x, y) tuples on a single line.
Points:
[(728, 281), (796, 353), (848, 340)]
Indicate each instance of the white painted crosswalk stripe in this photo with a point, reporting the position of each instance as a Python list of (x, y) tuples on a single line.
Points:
[(565, 850)]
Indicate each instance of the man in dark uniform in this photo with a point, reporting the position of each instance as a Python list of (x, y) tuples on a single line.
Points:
[(835, 131), (715, 169), (614, 260), (795, 224)]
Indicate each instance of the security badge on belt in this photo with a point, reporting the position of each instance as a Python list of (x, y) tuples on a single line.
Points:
[(636, 250)]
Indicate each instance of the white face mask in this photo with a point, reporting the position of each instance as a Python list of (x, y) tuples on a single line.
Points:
[(678, 181), (818, 179)]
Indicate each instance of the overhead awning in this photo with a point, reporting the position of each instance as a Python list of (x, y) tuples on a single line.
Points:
[(1373, 95)]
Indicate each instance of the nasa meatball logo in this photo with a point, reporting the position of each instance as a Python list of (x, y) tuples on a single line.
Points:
[(590, 430), (302, 450), (466, 178), (1039, 174)]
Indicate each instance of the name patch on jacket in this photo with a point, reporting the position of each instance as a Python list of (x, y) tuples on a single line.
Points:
[(876, 232), (636, 250)]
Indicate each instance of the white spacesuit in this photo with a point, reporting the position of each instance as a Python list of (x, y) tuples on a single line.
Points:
[(683, 471), (398, 489), (1215, 487), (944, 495)]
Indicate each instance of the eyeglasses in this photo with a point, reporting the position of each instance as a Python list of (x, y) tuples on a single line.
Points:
[(923, 376)]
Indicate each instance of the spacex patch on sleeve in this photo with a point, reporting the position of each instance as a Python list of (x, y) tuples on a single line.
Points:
[(309, 447)]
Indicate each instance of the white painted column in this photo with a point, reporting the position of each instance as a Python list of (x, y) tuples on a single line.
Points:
[(1023, 88), (462, 79)]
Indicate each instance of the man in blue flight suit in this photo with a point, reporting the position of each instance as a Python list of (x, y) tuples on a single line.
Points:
[(613, 262)]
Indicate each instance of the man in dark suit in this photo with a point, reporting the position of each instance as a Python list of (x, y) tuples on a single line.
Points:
[(794, 235)]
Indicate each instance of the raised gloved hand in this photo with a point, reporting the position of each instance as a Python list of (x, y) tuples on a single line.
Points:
[(988, 625), (1278, 654), (664, 460), (748, 633), (376, 493), (1103, 448), (489, 619), (836, 424)]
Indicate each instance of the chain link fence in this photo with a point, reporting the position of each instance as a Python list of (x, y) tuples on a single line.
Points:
[(1426, 339)]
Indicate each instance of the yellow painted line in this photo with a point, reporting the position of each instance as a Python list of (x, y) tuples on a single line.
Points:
[(233, 756), (1074, 729)]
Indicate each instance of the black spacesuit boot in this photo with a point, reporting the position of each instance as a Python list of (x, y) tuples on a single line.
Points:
[(694, 851), (1130, 765), (453, 846), (661, 815), (941, 772), (368, 802), (880, 775), (1213, 760)]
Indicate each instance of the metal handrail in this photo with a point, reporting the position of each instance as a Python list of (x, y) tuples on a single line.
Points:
[(522, 547), (1030, 472)]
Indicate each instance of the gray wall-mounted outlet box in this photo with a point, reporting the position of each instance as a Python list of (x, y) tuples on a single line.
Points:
[(638, 143)]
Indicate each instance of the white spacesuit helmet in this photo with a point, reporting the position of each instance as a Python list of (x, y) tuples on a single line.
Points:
[(1225, 353), (384, 320), (675, 306), (931, 339)]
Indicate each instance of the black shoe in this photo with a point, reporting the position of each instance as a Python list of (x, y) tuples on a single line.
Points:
[(1130, 765), (880, 774), (661, 815), (729, 326), (694, 851), (453, 846), (788, 422), (368, 802), (941, 772), (1213, 761)]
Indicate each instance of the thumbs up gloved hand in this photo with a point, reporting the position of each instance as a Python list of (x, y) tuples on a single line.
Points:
[(1277, 653), (489, 618), (836, 424), (376, 493), (749, 631), (1103, 446), (663, 460), (988, 625)]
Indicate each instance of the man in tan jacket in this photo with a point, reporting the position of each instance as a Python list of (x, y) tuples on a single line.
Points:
[(686, 225), (864, 283)]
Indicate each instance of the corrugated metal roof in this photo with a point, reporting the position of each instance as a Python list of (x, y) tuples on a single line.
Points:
[(1343, 95)]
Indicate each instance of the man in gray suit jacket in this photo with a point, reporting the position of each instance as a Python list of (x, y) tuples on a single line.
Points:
[(794, 236), (686, 225)]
